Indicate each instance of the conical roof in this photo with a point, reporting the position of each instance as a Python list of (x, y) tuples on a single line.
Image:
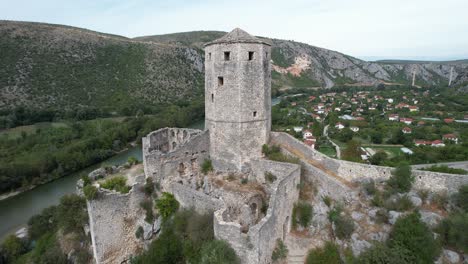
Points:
[(238, 36)]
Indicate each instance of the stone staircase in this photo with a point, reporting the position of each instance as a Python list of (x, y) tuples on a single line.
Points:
[(296, 256)]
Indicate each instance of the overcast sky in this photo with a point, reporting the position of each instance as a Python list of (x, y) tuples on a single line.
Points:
[(417, 29)]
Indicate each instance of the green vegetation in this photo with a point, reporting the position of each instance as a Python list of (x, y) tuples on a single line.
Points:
[(207, 166), (269, 177), (352, 152), (401, 204), (167, 205), (302, 214), (452, 231), (149, 187), (90, 192), (445, 169), (328, 254), (42, 245), (117, 183), (140, 232), (280, 252), (273, 153), (344, 225), (188, 238), (402, 178), (460, 199), (369, 187), (147, 205)]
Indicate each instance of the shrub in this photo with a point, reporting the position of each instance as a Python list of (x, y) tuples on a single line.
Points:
[(460, 199), (132, 161), (42, 223), (401, 179), (218, 251), (86, 180), (117, 184), (344, 227), (401, 204), (381, 216), (440, 200), (207, 166), (382, 254), (446, 169), (167, 205), (269, 177), (423, 194), (12, 248), (280, 251), (149, 187), (413, 235), (139, 232), (327, 200), (377, 200), (274, 153), (302, 214), (90, 192), (453, 231), (369, 187), (328, 254), (244, 181), (334, 213), (147, 205), (71, 213)]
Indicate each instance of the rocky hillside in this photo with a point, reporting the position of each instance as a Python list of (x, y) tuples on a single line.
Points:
[(56, 67), (50, 66)]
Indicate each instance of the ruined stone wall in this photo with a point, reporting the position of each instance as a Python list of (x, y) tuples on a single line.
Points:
[(188, 149), (114, 219), (238, 110), (258, 243), (355, 172), (190, 198)]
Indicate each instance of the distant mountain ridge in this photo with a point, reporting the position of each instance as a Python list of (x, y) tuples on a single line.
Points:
[(54, 66)]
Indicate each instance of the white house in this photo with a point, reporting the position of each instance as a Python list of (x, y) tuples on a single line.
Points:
[(406, 130), (306, 134), (339, 126), (297, 129), (354, 128)]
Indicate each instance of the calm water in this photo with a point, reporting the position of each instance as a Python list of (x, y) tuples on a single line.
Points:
[(16, 211)]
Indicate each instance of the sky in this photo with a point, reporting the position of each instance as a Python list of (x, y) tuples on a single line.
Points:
[(367, 29)]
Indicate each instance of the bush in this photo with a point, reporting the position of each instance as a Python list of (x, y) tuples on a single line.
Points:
[(369, 187), (244, 181), (280, 251), (302, 214), (167, 205), (381, 216), (12, 248), (149, 187), (269, 177), (413, 235), (440, 200), (218, 252), (344, 227), (377, 200), (207, 166), (42, 223), (327, 200), (423, 194), (401, 204), (329, 254), (90, 192), (117, 183), (274, 153), (381, 254), (71, 213), (446, 169), (132, 161), (460, 199), (402, 178), (147, 205), (139, 232), (86, 180), (453, 231)]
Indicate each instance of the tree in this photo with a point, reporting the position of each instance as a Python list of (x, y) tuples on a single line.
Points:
[(378, 158), (72, 213), (12, 247), (167, 205), (352, 152), (410, 233), (218, 251), (329, 254), (376, 137), (401, 179)]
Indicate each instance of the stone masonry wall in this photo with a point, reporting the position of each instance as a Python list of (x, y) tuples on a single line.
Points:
[(190, 198), (256, 246), (183, 160), (113, 219), (352, 171)]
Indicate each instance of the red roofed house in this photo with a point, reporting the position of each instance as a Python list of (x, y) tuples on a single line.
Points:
[(393, 117), (438, 143), (310, 142), (451, 137), (413, 108), (406, 130), (420, 142), (339, 125), (307, 134), (448, 120), (407, 121)]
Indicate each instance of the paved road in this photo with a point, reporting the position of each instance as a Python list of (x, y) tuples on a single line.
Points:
[(456, 165), (338, 151)]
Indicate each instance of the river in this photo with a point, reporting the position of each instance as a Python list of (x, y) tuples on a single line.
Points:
[(16, 211)]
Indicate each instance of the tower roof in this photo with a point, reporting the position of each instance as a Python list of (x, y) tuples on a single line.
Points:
[(238, 36)]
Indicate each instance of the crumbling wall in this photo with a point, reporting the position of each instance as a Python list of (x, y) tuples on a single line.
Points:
[(113, 220), (191, 198), (256, 246), (352, 171), (188, 148)]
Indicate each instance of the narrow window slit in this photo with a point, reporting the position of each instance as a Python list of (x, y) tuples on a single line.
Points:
[(212, 97), (251, 55), (255, 113), (220, 81), (227, 55)]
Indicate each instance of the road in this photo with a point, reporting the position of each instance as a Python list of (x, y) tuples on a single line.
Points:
[(338, 151), (456, 165)]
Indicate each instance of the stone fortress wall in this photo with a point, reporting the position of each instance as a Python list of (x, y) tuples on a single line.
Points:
[(113, 221), (174, 152), (257, 244), (346, 171)]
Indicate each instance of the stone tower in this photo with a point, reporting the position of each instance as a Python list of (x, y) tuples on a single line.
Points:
[(237, 98)]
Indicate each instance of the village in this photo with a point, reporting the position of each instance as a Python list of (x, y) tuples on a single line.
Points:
[(379, 126)]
